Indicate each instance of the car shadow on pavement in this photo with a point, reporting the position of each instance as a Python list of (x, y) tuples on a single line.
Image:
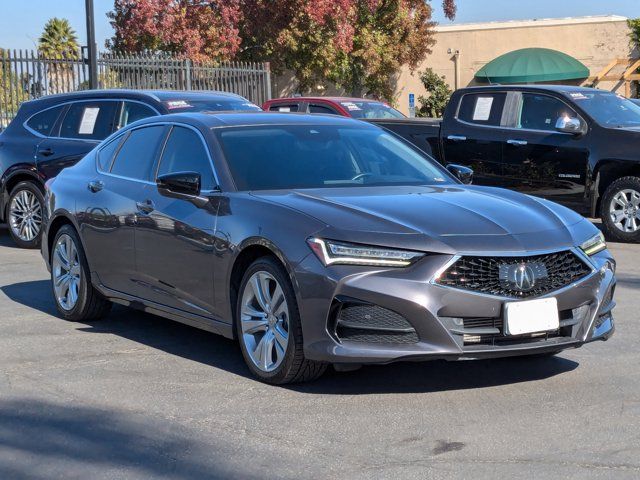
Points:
[(43, 439), (219, 352)]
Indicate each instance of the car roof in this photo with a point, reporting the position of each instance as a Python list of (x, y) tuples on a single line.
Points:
[(248, 119), (158, 95), (329, 99), (545, 87)]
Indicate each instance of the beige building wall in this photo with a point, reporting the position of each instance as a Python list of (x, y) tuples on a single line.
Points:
[(595, 41)]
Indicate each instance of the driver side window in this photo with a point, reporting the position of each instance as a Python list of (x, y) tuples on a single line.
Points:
[(185, 152), (541, 112)]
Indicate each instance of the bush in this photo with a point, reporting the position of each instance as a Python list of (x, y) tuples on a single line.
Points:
[(438, 91)]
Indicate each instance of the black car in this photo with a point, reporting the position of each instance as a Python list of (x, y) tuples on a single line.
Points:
[(318, 239), (54, 132), (576, 146)]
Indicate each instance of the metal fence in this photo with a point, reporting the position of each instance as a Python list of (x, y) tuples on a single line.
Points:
[(26, 75)]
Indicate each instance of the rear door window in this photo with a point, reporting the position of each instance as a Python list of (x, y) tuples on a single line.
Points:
[(44, 121), (89, 120), (290, 107), (136, 157), (482, 108), (321, 109)]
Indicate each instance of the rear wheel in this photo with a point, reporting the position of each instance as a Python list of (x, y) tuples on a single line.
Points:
[(268, 326), (620, 210), (76, 298), (24, 214)]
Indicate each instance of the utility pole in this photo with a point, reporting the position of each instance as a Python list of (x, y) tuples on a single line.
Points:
[(91, 45)]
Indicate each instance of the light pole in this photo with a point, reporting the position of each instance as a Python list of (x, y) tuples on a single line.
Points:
[(91, 45)]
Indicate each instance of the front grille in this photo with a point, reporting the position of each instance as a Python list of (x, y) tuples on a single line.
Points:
[(367, 323), (493, 275)]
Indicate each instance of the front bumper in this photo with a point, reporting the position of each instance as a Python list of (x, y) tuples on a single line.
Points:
[(438, 314)]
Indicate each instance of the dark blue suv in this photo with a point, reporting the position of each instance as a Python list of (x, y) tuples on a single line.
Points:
[(54, 132)]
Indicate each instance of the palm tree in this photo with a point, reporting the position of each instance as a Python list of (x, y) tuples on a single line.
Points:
[(58, 45), (58, 40)]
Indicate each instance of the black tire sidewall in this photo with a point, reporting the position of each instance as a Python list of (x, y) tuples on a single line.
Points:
[(78, 312), (273, 267), (33, 188), (610, 229)]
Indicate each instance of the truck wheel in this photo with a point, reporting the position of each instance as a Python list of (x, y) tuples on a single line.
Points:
[(24, 214), (620, 210)]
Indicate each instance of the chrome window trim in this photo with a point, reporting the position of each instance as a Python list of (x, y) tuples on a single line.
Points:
[(69, 102), (575, 250)]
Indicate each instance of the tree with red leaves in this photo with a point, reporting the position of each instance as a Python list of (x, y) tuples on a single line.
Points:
[(359, 45)]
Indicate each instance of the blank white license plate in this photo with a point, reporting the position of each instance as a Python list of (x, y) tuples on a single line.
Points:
[(531, 316)]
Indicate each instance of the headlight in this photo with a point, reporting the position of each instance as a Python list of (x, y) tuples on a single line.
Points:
[(332, 253), (594, 245)]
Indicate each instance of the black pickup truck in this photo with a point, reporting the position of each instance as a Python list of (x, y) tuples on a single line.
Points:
[(576, 146)]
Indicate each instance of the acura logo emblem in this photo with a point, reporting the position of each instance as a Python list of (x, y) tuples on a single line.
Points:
[(523, 278)]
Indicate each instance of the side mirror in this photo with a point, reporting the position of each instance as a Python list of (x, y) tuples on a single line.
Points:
[(464, 174), (180, 184), (571, 125)]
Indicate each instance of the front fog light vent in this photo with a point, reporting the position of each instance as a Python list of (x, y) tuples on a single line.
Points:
[(373, 324)]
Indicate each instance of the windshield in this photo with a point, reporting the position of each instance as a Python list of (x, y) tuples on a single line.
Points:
[(609, 109), (308, 156), (369, 109), (214, 104)]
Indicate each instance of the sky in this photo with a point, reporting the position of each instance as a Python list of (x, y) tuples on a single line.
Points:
[(21, 21)]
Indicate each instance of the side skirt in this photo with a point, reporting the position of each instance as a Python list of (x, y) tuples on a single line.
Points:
[(209, 324)]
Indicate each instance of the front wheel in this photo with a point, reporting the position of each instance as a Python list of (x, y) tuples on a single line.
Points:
[(76, 298), (24, 214), (269, 328), (620, 210)]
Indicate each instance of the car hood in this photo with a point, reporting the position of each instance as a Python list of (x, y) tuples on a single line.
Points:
[(450, 219)]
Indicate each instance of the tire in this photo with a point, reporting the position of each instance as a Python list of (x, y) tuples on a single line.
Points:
[(25, 214), (89, 304), (272, 363), (613, 206)]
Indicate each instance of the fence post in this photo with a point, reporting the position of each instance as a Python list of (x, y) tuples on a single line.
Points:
[(267, 67), (187, 66)]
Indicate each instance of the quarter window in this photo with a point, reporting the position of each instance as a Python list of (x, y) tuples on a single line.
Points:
[(89, 120), (482, 108), (106, 153), (185, 152), (132, 112), (137, 156), (44, 121), (541, 112)]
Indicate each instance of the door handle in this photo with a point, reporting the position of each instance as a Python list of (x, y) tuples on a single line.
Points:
[(517, 143), (457, 138), (145, 207), (46, 152), (95, 186)]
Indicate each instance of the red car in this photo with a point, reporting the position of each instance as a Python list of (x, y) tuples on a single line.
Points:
[(343, 106)]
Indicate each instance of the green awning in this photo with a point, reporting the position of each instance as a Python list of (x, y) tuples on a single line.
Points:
[(532, 65)]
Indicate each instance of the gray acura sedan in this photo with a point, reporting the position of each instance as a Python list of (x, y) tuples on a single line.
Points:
[(319, 240)]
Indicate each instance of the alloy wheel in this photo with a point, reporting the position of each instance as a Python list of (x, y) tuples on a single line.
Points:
[(25, 215), (66, 272), (264, 321), (624, 210)]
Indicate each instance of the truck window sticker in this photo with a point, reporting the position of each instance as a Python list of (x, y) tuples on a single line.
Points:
[(482, 112)]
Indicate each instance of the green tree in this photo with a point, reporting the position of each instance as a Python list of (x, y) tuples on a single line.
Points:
[(439, 93), (13, 89), (58, 40)]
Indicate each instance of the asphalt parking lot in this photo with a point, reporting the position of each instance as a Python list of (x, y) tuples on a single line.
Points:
[(136, 396)]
